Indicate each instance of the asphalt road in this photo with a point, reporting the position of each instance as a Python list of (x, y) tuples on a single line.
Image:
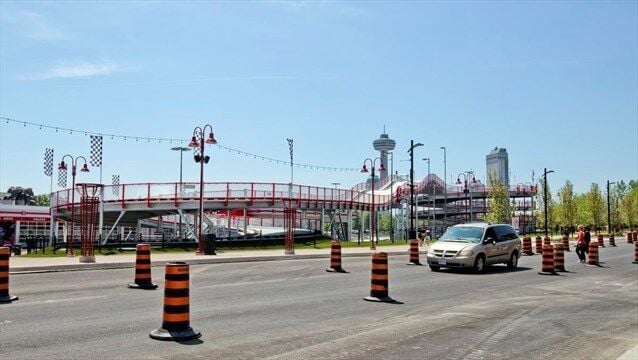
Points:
[(296, 310)]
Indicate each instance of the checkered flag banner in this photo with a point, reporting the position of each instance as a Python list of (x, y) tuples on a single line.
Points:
[(116, 185), (96, 150), (48, 162), (62, 178)]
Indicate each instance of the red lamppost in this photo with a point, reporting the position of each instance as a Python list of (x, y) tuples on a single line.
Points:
[(197, 141), (372, 212), (85, 168)]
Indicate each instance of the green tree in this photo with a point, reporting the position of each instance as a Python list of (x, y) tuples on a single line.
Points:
[(629, 206), (595, 205), (384, 221), (42, 200), (498, 200), (540, 206), (566, 209)]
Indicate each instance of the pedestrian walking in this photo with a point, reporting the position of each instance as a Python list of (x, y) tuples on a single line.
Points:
[(581, 246), (587, 238)]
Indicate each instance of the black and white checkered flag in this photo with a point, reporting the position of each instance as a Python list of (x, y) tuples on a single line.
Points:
[(48, 162), (96, 150), (116, 185), (62, 178)]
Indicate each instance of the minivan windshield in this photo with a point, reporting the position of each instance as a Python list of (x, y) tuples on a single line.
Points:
[(463, 233)]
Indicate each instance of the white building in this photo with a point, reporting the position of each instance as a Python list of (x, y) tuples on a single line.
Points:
[(498, 163)]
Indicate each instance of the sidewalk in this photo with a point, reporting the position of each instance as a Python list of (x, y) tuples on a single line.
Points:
[(20, 264)]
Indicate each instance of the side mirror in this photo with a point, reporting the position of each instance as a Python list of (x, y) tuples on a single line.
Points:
[(489, 240)]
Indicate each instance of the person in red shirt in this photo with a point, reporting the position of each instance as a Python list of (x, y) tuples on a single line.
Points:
[(580, 244)]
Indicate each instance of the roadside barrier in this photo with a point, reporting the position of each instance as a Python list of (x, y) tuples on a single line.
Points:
[(414, 253), (592, 258), (527, 246), (539, 245), (635, 252), (547, 263), (635, 235), (335, 257), (559, 258), (143, 268), (5, 297), (566, 242), (176, 316), (379, 280), (601, 240), (629, 237), (547, 240), (612, 241)]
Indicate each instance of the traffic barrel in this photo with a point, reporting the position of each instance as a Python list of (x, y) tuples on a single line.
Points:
[(592, 258), (612, 241), (629, 237), (176, 316), (414, 253), (635, 235), (143, 268), (335, 257), (527, 246), (601, 240), (547, 263), (379, 280), (5, 297), (547, 240), (539, 245), (559, 258), (566, 242), (635, 252)]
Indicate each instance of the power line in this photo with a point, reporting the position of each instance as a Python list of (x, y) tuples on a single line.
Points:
[(112, 136)]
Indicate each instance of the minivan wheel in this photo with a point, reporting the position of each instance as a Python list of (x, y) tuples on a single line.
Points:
[(479, 264), (513, 263)]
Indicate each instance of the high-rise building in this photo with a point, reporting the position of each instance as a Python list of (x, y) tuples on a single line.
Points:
[(383, 145), (498, 164)]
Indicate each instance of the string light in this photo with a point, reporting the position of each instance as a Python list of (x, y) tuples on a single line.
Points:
[(170, 140)]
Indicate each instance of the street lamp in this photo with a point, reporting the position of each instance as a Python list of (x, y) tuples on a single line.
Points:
[(335, 184), (372, 212), (181, 150), (545, 172), (445, 185), (466, 188), (85, 168), (197, 141), (412, 233), (429, 198), (609, 230)]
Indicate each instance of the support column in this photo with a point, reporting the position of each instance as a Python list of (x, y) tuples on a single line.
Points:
[(245, 221), (349, 232), (321, 221)]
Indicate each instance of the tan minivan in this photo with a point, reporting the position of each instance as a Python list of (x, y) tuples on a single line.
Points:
[(475, 246)]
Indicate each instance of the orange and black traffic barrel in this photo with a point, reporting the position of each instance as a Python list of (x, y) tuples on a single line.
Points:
[(601, 240), (379, 282), (547, 240), (539, 245), (566, 242), (176, 317), (335, 257), (635, 235), (559, 258), (635, 252), (547, 264), (629, 237), (414, 253), (592, 258), (143, 268), (5, 297), (612, 241), (527, 246)]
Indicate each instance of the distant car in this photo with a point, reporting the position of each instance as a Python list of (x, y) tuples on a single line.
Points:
[(475, 246)]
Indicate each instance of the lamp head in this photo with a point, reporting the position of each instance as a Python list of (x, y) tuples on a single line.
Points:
[(364, 169), (381, 168), (194, 143), (85, 168), (62, 166), (211, 139)]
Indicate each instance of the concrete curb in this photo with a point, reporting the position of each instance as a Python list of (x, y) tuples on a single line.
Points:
[(207, 260)]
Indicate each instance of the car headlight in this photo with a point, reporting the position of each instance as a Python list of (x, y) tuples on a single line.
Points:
[(430, 251), (466, 253)]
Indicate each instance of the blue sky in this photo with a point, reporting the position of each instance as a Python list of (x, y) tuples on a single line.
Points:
[(555, 83)]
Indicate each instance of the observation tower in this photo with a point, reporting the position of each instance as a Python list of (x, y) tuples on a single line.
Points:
[(383, 145)]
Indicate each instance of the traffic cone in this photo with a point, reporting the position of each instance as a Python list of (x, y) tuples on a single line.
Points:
[(527, 246), (601, 240), (559, 258), (143, 268), (548, 261), (414, 253), (566, 242), (176, 317), (335, 257), (612, 241), (592, 258), (635, 252), (379, 280), (539, 245), (5, 297)]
